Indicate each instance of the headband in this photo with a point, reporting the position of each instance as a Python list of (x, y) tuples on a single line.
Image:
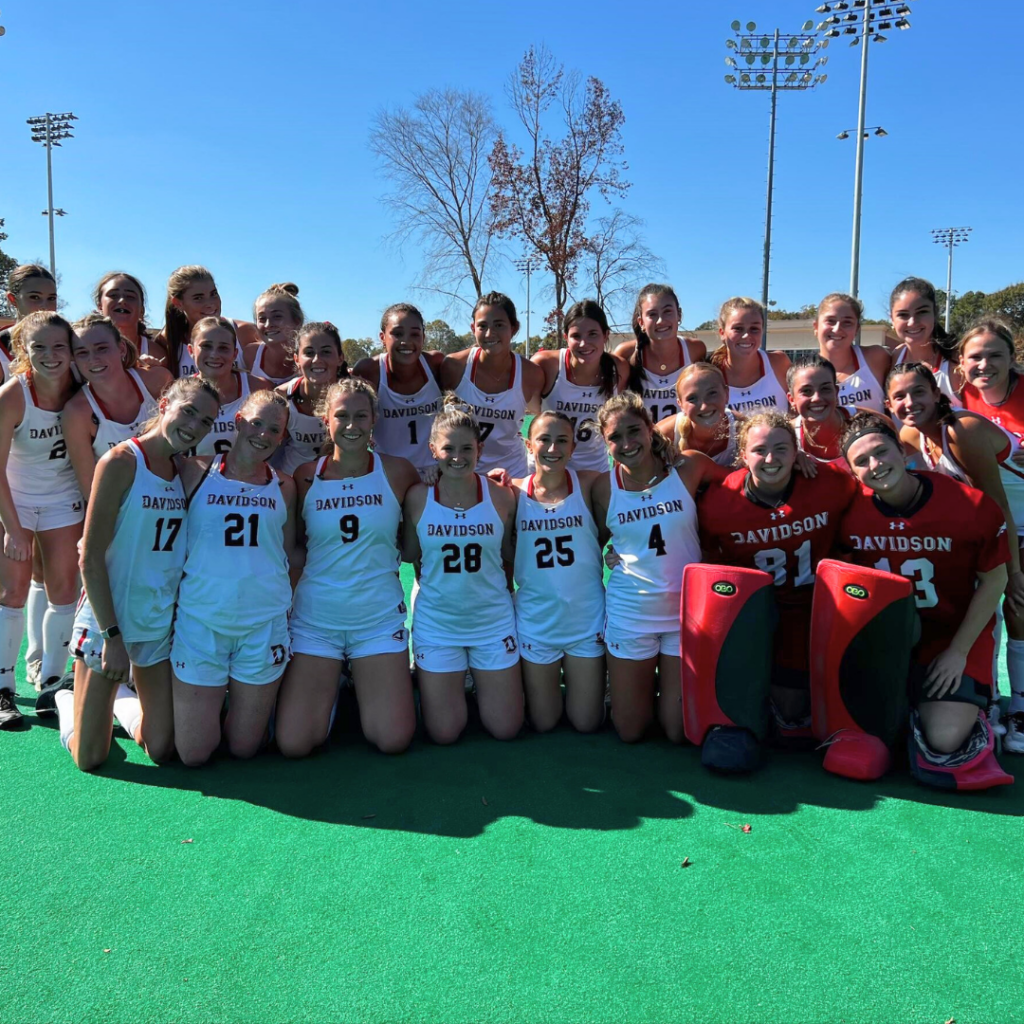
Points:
[(871, 427)]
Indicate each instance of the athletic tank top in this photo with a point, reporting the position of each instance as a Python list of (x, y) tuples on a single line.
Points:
[(236, 570), (654, 533), (580, 403), (764, 394), (147, 553), (558, 569), (258, 371), (38, 467), (1008, 415), (727, 456), (862, 388), (1010, 475), (110, 432), (306, 434), (659, 392), (188, 368), (943, 374), (352, 557), (500, 416), (463, 599), (404, 421), (222, 434)]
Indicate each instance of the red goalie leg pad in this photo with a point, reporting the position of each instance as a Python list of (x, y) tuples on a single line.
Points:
[(973, 766), (727, 624)]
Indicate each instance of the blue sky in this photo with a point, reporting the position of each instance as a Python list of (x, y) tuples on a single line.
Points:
[(235, 135)]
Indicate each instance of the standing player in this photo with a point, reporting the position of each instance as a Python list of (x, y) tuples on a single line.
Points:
[(704, 423), (988, 365), (950, 541), (499, 385), (405, 379), (559, 575), (914, 314), (40, 500), (647, 506), (819, 419), (580, 377), (278, 316), (349, 603), (231, 624), (122, 298), (756, 377), (133, 552), (860, 370), (658, 355), (457, 532)]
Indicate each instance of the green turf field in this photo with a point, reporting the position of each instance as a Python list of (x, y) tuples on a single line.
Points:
[(538, 880)]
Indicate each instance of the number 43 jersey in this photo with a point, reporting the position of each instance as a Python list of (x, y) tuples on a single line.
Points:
[(949, 535)]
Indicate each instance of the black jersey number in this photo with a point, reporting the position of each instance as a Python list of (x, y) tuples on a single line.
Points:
[(665, 410), (412, 433), (485, 429), (164, 540), (349, 526), (59, 450), (235, 532), (548, 551), (656, 542), (584, 430), (456, 559), (222, 447)]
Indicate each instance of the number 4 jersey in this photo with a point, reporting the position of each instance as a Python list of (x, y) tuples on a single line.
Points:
[(951, 533)]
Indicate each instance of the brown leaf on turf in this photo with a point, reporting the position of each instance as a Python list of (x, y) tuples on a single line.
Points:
[(746, 828), (106, 951), (483, 800), (686, 862), (952, 1020), (184, 841), (368, 816)]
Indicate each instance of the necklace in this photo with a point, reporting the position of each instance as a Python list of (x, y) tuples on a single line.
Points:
[(664, 367)]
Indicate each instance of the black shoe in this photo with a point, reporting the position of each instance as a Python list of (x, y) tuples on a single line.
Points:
[(10, 716), (46, 702), (730, 750)]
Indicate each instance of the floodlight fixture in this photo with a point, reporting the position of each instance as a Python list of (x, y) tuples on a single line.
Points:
[(950, 237), (48, 130)]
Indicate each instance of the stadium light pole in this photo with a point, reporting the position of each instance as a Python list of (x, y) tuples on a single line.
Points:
[(48, 130), (950, 237), (778, 61), (869, 19), (525, 266)]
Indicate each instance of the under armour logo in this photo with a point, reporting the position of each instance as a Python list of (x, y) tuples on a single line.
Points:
[(549, 509), (179, 664), (779, 514), (348, 487), (898, 526), (746, 394), (646, 497), (168, 489), (488, 398), (588, 394)]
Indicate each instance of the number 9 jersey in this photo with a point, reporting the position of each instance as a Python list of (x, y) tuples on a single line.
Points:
[(951, 533)]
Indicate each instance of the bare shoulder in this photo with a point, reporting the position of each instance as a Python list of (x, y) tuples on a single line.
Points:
[(287, 485), (401, 473), (879, 359), (625, 350), (780, 362), (696, 349), (369, 369), (503, 498), (248, 334), (156, 378), (415, 501), (259, 383)]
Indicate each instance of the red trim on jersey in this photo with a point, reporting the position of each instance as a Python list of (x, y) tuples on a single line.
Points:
[(511, 375), (142, 452), (105, 410), (1008, 414)]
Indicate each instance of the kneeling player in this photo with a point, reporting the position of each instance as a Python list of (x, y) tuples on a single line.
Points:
[(950, 541)]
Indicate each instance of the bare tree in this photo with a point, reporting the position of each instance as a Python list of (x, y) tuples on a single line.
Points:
[(436, 156), (542, 195)]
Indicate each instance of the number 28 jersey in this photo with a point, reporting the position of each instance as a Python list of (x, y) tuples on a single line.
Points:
[(952, 533)]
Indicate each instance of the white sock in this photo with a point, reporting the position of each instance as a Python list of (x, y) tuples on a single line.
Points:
[(36, 609), (997, 649), (12, 630), (127, 710), (65, 701), (1015, 670), (57, 625)]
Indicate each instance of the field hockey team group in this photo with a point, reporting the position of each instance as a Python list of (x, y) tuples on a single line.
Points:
[(236, 502)]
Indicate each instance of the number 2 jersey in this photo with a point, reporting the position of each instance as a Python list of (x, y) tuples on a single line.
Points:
[(786, 542), (951, 533), (236, 570)]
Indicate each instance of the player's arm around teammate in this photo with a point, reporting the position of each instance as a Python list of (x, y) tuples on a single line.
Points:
[(231, 626), (559, 574), (133, 553), (349, 602), (704, 422), (459, 532)]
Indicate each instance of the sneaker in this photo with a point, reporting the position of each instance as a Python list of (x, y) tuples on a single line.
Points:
[(34, 673), (995, 719), (10, 716), (1013, 741), (46, 702)]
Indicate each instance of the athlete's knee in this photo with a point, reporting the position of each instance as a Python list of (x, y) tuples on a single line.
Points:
[(673, 727), (395, 740), (631, 726), (193, 754), (159, 751), (446, 731), (87, 760), (946, 737), (586, 720), (293, 746), (15, 595), (545, 719), (505, 729)]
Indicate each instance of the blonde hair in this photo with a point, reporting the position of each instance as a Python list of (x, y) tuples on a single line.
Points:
[(772, 420), (684, 425), (285, 292), (631, 402), (991, 325), (131, 353), (182, 389), (455, 413), (176, 328), (19, 346), (855, 304), (263, 397), (720, 357), (346, 386)]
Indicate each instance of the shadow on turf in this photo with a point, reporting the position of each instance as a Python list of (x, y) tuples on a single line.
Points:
[(561, 779)]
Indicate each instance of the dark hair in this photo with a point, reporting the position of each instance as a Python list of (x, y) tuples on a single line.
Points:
[(323, 327), (499, 299), (945, 343), (810, 362), (131, 355), (588, 309), (107, 278), (176, 327), (635, 381), (867, 423), (944, 406), (397, 309), (630, 402), (19, 275), (556, 414)]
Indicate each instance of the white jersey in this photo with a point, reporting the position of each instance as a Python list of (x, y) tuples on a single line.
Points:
[(727, 456), (861, 387), (258, 371), (222, 434), (766, 393), (654, 533), (38, 467), (500, 417), (236, 570), (943, 375), (111, 432), (580, 403), (404, 421), (352, 556), (558, 569), (146, 556), (659, 393), (305, 440), (1010, 474), (5, 356), (463, 599)]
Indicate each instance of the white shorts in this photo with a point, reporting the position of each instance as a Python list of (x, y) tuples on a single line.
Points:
[(41, 514), (87, 644), (540, 653), (322, 641), (493, 656), (631, 646), (203, 657)]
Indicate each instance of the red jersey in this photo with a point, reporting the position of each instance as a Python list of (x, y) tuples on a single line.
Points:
[(1009, 414), (952, 533), (787, 542)]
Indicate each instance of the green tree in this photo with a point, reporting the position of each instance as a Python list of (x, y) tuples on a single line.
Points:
[(440, 337), (1008, 303), (7, 264), (354, 349)]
